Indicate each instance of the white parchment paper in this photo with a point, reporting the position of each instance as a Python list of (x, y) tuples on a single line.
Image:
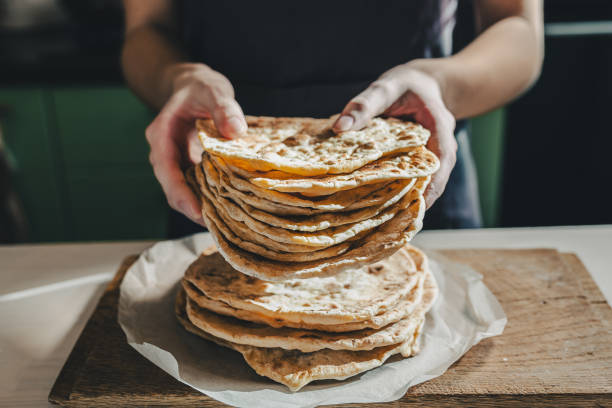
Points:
[(465, 313)]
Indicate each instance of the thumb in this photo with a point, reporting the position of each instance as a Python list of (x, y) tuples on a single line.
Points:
[(368, 104), (229, 119)]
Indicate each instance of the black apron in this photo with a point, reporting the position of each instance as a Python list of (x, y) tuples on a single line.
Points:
[(288, 58)]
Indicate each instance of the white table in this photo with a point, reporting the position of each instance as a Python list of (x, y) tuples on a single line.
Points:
[(47, 293)]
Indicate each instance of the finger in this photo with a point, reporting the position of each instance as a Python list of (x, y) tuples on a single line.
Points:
[(444, 145), (194, 148), (165, 159), (200, 221), (368, 104), (218, 100), (438, 184), (228, 118), (178, 193)]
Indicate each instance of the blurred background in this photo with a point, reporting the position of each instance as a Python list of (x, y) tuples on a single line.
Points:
[(73, 158)]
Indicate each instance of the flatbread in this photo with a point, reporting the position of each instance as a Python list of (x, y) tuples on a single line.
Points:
[(239, 235), (296, 369), (401, 310), (317, 239), (404, 307), (263, 245), (314, 222), (418, 162), (307, 146), (259, 335), (265, 252), (382, 242), (291, 204), (212, 209), (228, 191), (351, 296), (339, 201)]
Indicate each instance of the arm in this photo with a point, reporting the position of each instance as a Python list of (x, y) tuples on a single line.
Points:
[(502, 62), (158, 73), (150, 50)]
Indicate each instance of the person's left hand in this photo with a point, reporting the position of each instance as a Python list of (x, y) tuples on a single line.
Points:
[(408, 91)]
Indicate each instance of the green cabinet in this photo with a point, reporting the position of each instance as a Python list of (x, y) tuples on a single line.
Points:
[(112, 191), (82, 164), (25, 130), (487, 141)]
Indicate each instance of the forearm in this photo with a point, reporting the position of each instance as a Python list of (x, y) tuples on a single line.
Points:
[(495, 68), (149, 60)]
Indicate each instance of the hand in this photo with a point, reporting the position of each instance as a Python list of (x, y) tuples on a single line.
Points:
[(407, 90), (197, 92)]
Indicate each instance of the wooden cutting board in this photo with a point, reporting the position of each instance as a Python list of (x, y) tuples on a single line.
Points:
[(556, 349)]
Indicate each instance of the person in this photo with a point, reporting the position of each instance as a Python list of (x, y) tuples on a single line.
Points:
[(219, 59)]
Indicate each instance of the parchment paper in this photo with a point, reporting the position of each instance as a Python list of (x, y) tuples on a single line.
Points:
[(465, 313)]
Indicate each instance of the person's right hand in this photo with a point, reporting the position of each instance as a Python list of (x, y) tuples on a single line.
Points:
[(197, 92)]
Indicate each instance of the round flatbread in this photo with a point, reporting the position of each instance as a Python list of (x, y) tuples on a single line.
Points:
[(380, 243), (313, 222), (355, 295), (296, 369), (334, 202), (403, 308), (212, 210), (307, 146), (240, 235), (259, 335), (316, 239), (274, 202), (418, 162)]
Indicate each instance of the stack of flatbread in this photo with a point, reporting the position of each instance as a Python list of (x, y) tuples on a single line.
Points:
[(301, 330), (292, 199), (313, 278)]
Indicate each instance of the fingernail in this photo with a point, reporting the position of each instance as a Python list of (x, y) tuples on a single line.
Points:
[(344, 123), (236, 125)]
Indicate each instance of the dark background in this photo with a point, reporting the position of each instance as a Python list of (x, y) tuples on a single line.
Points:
[(558, 139), (557, 142)]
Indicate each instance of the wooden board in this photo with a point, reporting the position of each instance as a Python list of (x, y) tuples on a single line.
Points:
[(556, 349)]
